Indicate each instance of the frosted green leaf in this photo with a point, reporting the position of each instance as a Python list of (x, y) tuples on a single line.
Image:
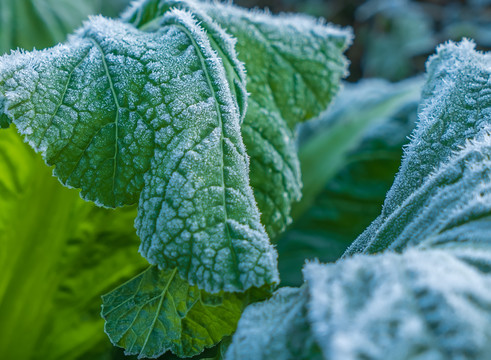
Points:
[(294, 65), (125, 114), (444, 182), (418, 305), (275, 329), (158, 311)]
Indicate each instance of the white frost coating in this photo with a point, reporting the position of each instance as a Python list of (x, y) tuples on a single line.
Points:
[(424, 304), (273, 329), (302, 55), (446, 159), (212, 156)]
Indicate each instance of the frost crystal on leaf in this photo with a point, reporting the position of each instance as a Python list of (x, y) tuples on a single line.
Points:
[(445, 172), (422, 304)]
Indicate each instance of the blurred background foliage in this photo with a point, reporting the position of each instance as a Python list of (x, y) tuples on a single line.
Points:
[(393, 38), (59, 254)]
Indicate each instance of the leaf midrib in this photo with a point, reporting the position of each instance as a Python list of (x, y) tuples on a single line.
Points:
[(222, 166), (116, 120)]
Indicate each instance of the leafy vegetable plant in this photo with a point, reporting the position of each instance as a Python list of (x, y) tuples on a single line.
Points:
[(184, 115)]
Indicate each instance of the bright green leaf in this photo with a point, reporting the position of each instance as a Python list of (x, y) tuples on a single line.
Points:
[(158, 311), (59, 254)]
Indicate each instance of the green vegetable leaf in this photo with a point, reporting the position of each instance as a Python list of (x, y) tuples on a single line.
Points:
[(119, 111), (355, 149), (294, 65), (444, 176), (158, 311)]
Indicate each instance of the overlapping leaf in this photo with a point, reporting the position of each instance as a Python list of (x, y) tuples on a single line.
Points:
[(294, 65)]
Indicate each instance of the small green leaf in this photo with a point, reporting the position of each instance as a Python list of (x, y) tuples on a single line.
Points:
[(158, 311)]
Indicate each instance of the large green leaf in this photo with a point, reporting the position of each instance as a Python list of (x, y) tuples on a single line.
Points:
[(59, 254), (294, 64), (154, 114), (119, 112)]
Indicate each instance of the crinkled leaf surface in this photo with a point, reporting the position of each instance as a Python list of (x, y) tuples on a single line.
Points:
[(275, 329), (59, 254), (158, 311), (418, 305), (356, 148), (445, 174), (122, 112), (294, 65)]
